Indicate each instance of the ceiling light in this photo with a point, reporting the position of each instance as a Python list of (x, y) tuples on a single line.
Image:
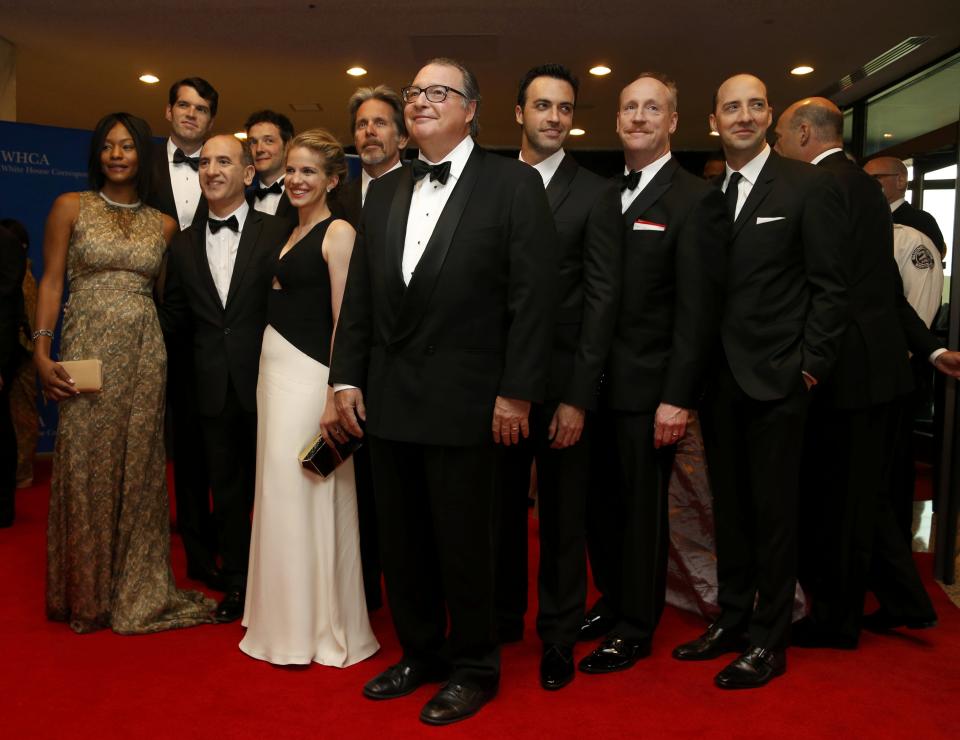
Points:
[(149, 79), (803, 69), (242, 135), (356, 71), (577, 132), (714, 133), (600, 70), (887, 135)]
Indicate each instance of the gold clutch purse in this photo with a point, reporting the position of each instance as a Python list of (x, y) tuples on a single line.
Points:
[(87, 375)]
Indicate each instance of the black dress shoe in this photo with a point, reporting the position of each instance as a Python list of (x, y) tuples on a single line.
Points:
[(454, 702), (809, 634), (230, 609), (883, 621), (556, 667), (211, 577), (755, 668), (401, 679), (711, 644), (615, 654), (595, 626)]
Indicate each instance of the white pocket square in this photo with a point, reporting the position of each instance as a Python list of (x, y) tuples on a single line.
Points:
[(641, 225), (769, 219)]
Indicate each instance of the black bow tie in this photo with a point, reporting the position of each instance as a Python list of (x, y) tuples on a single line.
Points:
[(630, 182), (277, 188), (439, 172), (180, 158), (230, 223)]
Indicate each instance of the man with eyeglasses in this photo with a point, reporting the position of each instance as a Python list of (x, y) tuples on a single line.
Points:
[(380, 136), (441, 347)]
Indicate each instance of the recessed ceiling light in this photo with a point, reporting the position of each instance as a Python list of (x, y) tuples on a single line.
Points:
[(714, 133), (149, 79), (887, 135), (600, 70), (803, 69), (242, 135), (356, 71), (577, 132)]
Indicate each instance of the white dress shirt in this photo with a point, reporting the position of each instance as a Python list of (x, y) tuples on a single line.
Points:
[(429, 198), (646, 175), (749, 174), (823, 155), (897, 203), (270, 202), (222, 251), (548, 167), (366, 179), (186, 186)]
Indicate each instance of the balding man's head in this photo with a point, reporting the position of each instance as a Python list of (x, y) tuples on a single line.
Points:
[(892, 175), (808, 128), (741, 115)]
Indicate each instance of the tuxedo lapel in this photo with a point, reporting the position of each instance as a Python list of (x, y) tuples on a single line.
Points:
[(759, 191), (198, 236), (652, 192), (396, 234), (559, 186), (161, 181), (418, 292), (248, 238)]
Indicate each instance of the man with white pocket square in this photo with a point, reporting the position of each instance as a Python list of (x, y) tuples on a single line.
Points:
[(676, 233), (784, 316)]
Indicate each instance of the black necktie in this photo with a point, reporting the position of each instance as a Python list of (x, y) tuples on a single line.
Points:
[(731, 194), (277, 188), (230, 223), (630, 182), (180, 158), (439, 172)]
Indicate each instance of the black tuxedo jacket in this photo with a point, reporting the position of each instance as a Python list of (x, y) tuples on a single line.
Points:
[(672, 292), (13, 264), (922, 221), (586, 211), (161, 191), (285, 210), (226, 340), (475, 320), (872, 364), (349, 202), (786, 303)]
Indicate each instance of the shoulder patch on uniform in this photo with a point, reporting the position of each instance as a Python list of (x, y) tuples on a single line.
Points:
[(921, 258)]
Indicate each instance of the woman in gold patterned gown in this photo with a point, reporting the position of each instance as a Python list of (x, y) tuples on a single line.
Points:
[(108, 536)]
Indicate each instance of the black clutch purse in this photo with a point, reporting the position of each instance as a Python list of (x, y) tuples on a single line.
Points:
[(323, 456)]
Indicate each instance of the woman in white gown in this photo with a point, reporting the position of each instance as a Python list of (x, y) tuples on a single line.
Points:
[(304, 599)]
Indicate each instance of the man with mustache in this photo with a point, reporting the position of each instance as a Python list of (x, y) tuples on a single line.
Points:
[(784, 316), (217, 286), (673, 261), (380, 136), (268, 134), (589, 231)]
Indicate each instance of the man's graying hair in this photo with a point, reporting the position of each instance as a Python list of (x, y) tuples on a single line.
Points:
[(827, 124), (471, 89)]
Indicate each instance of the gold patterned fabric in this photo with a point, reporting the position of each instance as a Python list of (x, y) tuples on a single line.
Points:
[(108, 537)]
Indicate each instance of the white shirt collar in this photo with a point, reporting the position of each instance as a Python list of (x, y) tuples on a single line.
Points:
[(241, 214), (366, 178), (457, 157), (171, 148), (897, 203), (650, 171), (260, 183), (823, 155), (751, 170), (547, 167)]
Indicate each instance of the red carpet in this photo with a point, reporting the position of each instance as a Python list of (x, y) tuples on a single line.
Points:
[(196, 684)]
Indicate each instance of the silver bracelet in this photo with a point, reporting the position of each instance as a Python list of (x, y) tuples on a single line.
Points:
[(42, 333)]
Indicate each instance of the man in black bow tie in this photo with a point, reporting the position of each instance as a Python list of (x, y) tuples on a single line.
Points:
[(673, 263), (441, 347), (268, 134), (217, 286), (176, 192)]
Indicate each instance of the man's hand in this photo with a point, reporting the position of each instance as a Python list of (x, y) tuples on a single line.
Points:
[(948, 363), (349, 407), (566, 426), (510, 420), (669, 425)]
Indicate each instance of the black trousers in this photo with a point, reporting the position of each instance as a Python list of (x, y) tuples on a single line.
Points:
[(903, 478), (604, 513), (231, 446), (191, 483), (8, 451), (643, 527), (437, 508), (369, 540), (753, 453), (847, 463), (563, 478)]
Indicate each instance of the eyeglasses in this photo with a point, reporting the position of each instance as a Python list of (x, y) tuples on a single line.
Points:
[(434, 93)]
